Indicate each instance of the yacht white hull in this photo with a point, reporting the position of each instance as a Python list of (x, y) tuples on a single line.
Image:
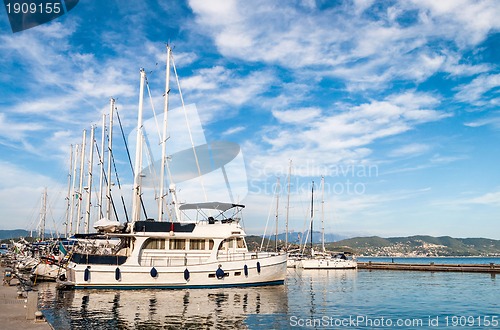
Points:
[(206, 275), (48, 272), (326, 263)]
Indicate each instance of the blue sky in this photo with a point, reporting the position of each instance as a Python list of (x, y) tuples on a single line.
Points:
[(395, 103)]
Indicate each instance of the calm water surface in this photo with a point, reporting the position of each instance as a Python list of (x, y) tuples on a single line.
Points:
[(311, 299)]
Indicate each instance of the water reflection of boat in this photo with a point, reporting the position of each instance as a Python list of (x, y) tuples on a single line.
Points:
[(186, 308)]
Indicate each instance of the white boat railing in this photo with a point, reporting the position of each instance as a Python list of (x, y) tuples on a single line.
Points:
[(158, 260)]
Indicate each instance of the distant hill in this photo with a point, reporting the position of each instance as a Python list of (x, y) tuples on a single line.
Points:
[(419, 246), (16, 233), (295, 237)]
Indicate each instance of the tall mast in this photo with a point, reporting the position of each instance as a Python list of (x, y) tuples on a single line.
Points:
[(164, 137), (110, 158), (43, 215), (101, 166), (80, 189), (89, 180), (136, 203), (74, 194), (312, 215), (277, 207), (288, 204), (323, 213), (68, 197)]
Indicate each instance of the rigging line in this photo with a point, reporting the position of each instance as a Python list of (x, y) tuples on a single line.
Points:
[(53, 223), (99, 202), (125, 141), (119, 188), (189, 130), (129, 158), (154, 112), (152, 168), (147, 154), (267, 223)]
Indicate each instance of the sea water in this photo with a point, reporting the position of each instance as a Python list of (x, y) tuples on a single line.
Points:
[(310, 299)]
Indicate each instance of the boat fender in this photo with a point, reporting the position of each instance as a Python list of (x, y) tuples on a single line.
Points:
[(118, 275), (219, 273), (186, 274), (86, 274), (258, 267), (153, 272), (245, 270)]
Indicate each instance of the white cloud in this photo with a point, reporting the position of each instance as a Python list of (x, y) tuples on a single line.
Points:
[(494, 121), (346, 136), (234, 130), (297, 116), (410, 150), (474, 92), (18, 184), (492, 198), (348, 42)]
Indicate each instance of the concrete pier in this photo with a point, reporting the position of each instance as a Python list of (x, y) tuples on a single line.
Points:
[(470, 268), (15, 309)]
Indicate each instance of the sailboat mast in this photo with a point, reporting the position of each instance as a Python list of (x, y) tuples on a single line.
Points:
[(164, 137), (288, 204), (68, 197), (110, 158), (312, 215), (136, 202), (80, 186), (43, 215), (277, 213), (89, 180), (323, 213), (74, 194), (101, 165)]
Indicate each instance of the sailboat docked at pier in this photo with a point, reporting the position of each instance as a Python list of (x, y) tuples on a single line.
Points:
[(205, 253), (323, 259)]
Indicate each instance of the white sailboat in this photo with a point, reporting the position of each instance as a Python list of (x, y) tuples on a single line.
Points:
[(208, 252), (323, 259)]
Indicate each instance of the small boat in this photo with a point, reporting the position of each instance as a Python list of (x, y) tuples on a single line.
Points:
[(327, 261), (324, 259), (208, 253)]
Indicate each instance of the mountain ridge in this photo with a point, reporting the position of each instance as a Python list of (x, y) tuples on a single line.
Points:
[(419, 245)]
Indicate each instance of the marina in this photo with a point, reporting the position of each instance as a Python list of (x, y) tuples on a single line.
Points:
[(163, 203), (308, 297)]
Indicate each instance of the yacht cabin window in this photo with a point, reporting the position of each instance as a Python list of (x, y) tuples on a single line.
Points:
[(240, 243), (197, 244), (155, 244), (177, 244)]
